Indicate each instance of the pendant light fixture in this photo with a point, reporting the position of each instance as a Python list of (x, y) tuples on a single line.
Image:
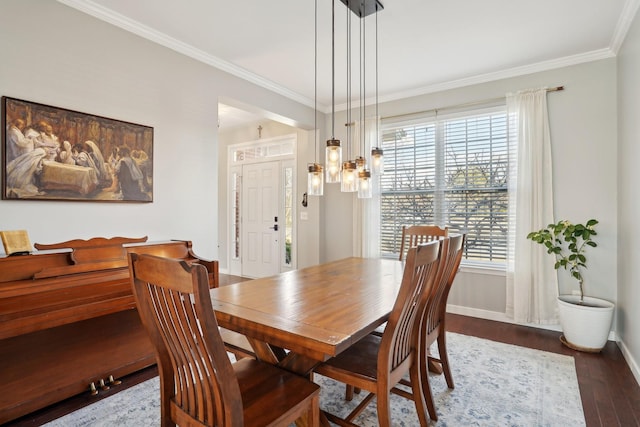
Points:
[(315, 180), (364, 175), (349, 177), (360, 160), (333, 154), (377, 155), (364, 184), (353, 175), (349, 183)]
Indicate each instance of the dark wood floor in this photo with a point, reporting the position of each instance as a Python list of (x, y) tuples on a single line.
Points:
[(610, 393)]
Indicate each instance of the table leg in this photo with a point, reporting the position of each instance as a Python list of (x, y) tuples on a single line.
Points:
[(435, 367)]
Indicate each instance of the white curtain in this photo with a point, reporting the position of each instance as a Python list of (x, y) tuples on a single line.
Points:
[(532, 282), (366, 218)]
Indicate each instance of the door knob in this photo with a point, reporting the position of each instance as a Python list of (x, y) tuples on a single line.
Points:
[(275, 227)]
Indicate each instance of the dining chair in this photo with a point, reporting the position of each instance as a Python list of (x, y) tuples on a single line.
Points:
[(433, 327), (413, 236), (199, 386), (417, 234), (377, 363)]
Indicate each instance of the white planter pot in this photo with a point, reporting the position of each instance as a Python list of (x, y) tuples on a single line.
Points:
[(585, 327)]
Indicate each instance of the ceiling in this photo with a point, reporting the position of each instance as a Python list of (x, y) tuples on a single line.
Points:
[(423, 45)]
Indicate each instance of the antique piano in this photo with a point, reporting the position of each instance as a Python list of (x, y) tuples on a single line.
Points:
[(68, 321)]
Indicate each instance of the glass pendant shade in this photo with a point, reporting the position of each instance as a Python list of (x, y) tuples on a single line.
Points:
[(349, 177), (364, 184), (315, 180), (333, 160), (377, 161)]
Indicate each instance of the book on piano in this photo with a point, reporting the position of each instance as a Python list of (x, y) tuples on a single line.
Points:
[(16, 242)]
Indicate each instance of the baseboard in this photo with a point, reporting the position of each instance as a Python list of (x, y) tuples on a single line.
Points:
[(494, 315), (476, 312), (633, 364), (502, 317)]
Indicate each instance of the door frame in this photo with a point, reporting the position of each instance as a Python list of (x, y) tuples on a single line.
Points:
[(282, 149)]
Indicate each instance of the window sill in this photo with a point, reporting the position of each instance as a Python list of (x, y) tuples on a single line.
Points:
[(486, 269)]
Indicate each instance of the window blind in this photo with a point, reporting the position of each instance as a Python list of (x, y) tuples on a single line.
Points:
[(450, 171)]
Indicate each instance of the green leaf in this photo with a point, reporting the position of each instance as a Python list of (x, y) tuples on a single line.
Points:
[(567, 242)]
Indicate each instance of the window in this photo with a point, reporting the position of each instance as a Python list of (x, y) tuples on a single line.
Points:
[(236, 190), (448, 171), (288, 215)]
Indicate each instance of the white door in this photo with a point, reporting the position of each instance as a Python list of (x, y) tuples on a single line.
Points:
[(260, 226)]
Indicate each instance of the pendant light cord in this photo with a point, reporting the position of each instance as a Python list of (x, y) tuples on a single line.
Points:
[(315, 85), (333, 69), (377, 116), (363, 34), (349, 134)]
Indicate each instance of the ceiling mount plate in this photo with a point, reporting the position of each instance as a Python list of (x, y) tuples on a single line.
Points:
[(363, 8)]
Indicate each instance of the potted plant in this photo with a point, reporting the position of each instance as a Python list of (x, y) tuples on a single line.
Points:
[(585, 321)]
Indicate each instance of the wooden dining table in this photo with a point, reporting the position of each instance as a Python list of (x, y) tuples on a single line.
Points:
[(301, 318)]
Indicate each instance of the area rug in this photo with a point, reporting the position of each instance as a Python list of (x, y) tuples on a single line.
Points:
[(496, 385)]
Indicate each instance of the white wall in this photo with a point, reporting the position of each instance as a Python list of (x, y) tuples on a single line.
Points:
[(584, 149), (55, 55), (628, 315)]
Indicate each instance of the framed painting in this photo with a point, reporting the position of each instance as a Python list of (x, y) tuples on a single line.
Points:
[(51, 153)]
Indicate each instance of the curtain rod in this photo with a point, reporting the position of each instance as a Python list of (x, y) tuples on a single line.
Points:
[(468, 104)]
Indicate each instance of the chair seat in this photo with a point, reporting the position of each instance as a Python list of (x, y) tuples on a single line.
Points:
[(360, 359), (266, 392)]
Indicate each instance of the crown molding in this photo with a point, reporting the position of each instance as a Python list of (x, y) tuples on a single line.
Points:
[(624, 23), (91, 8), (490, 77), (135, 27)]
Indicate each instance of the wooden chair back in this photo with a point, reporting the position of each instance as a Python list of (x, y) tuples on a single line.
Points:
[(436, 307), (198, 383), (433, 319), (398, 353), (418, 234)]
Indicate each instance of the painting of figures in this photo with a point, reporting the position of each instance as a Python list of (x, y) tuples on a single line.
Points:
[(51, 153)]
